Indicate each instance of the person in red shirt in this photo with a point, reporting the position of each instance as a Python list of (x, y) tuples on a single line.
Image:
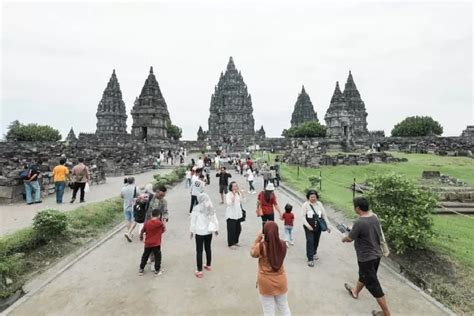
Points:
[(288, 219), (267, 202), (153, 229)]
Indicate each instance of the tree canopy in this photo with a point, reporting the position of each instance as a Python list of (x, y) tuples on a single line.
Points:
[(306, 129), (174, 131), (32, 132), (417, 126)]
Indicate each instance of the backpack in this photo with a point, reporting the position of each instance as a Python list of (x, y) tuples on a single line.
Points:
[(25, 174), (139, 211)]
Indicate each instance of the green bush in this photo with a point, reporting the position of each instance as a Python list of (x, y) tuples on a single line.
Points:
[(50, 224), (404, 209), (417, 126), (32, 132)]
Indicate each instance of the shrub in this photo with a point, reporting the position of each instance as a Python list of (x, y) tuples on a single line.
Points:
[(50, 224), (306, 129), (405, 211), (32, 132), (314, 181), (417, 126)]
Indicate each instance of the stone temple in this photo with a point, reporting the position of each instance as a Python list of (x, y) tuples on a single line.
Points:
[(111, 113), (231, 113), (304, 111), (346, 116), (150, 112)]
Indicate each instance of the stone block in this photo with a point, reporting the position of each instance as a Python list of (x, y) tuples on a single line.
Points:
[(6, 192), (431, 174)]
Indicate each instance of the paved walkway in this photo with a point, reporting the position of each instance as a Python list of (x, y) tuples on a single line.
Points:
[(105, 282), (20, 215)]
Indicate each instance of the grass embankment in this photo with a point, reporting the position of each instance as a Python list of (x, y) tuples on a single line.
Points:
[(454, 234), (24, 253)]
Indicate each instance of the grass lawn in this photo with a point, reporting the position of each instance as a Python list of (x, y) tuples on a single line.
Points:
[(455, 233)]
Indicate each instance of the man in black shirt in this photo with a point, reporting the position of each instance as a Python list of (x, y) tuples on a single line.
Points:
[(223, 182), (366, 234)]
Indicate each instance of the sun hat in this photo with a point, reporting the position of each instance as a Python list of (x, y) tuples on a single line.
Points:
[(270, 187)]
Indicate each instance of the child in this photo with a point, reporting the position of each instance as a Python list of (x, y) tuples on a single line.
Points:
[(153, 229), (288, 218), (188, 178)]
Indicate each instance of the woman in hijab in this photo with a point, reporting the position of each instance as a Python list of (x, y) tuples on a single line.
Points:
[(271, 277), (203, 224)]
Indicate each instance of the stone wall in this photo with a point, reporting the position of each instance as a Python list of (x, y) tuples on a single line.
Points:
[(116, 157)]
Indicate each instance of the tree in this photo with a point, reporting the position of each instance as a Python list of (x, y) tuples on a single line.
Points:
[(306, 129), (417, 126), (405, 210), (32, 132), (174, 131)]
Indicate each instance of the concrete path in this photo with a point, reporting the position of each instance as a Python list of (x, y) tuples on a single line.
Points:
[(20, 215), (105, 282)]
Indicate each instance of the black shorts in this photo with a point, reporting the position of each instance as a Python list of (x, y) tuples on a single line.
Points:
[(368, 276), (223, 188)]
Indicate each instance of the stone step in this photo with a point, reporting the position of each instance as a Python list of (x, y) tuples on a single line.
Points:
[(457, 204), (467, 211)]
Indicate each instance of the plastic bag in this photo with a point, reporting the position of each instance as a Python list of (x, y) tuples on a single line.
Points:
[(87, 187)]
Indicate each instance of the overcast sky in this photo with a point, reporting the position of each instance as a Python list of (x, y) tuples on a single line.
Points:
[(406, 59)]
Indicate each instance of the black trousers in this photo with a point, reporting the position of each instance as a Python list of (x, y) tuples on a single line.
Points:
[(265, 182), (312, 241), (77, 186), (251, 186), (203, 241), (233, 231), (194, 201), (265, 218), (368, 276), (157, 254)]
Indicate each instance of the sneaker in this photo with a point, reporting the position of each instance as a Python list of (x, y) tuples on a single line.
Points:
[(157, 273), (233, 247), (316, 257), (128, 237), (208, 268), (81, 201), (72, 200), (292, 243), (199, 274), (140, 272), (37, 202), (311, 263)]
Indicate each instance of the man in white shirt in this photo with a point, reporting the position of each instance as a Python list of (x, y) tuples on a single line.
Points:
[(200, 163), (250, 178)]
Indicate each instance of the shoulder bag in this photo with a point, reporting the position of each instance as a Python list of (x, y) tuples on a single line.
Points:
[(383, 242), (323, 226)]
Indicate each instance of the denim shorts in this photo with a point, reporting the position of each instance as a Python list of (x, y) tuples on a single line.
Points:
[(128, 215)]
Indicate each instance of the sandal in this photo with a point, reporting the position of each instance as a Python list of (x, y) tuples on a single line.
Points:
[(349, 289), (375, 313)]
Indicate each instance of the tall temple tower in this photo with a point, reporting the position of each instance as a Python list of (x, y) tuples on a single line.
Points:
[(339, 120), (231, 114), (150, 112), (111, 114), (356, 106), (304, 110)]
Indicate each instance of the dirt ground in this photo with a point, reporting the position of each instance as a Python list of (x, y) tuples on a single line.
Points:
[(105, 282)]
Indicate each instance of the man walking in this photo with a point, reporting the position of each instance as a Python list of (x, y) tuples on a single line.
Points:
[(80, 175), (30, 179), (366, 233)]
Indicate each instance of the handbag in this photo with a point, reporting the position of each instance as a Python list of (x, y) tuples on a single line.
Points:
[(244, 216), (383, 242), (323, 226)]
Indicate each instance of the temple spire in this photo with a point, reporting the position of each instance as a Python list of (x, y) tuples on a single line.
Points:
[(231, 65), (303, 90), (337, 95), (151, 69)]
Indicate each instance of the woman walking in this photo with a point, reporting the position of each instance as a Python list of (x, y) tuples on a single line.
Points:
[(267, 204), (233, 215), (203, 224), (314, 222), (271, 276)]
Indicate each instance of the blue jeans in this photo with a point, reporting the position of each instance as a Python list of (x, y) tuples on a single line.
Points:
[(288, 233), (59, 188), (32, 186)]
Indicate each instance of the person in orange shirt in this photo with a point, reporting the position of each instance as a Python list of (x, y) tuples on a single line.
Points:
[(60, 175), (271, 277)]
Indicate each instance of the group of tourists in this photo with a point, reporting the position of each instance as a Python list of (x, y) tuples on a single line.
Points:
[(147, 209), (78, 178)]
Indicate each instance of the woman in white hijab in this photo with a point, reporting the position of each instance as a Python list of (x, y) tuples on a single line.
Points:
[(203, 224)]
